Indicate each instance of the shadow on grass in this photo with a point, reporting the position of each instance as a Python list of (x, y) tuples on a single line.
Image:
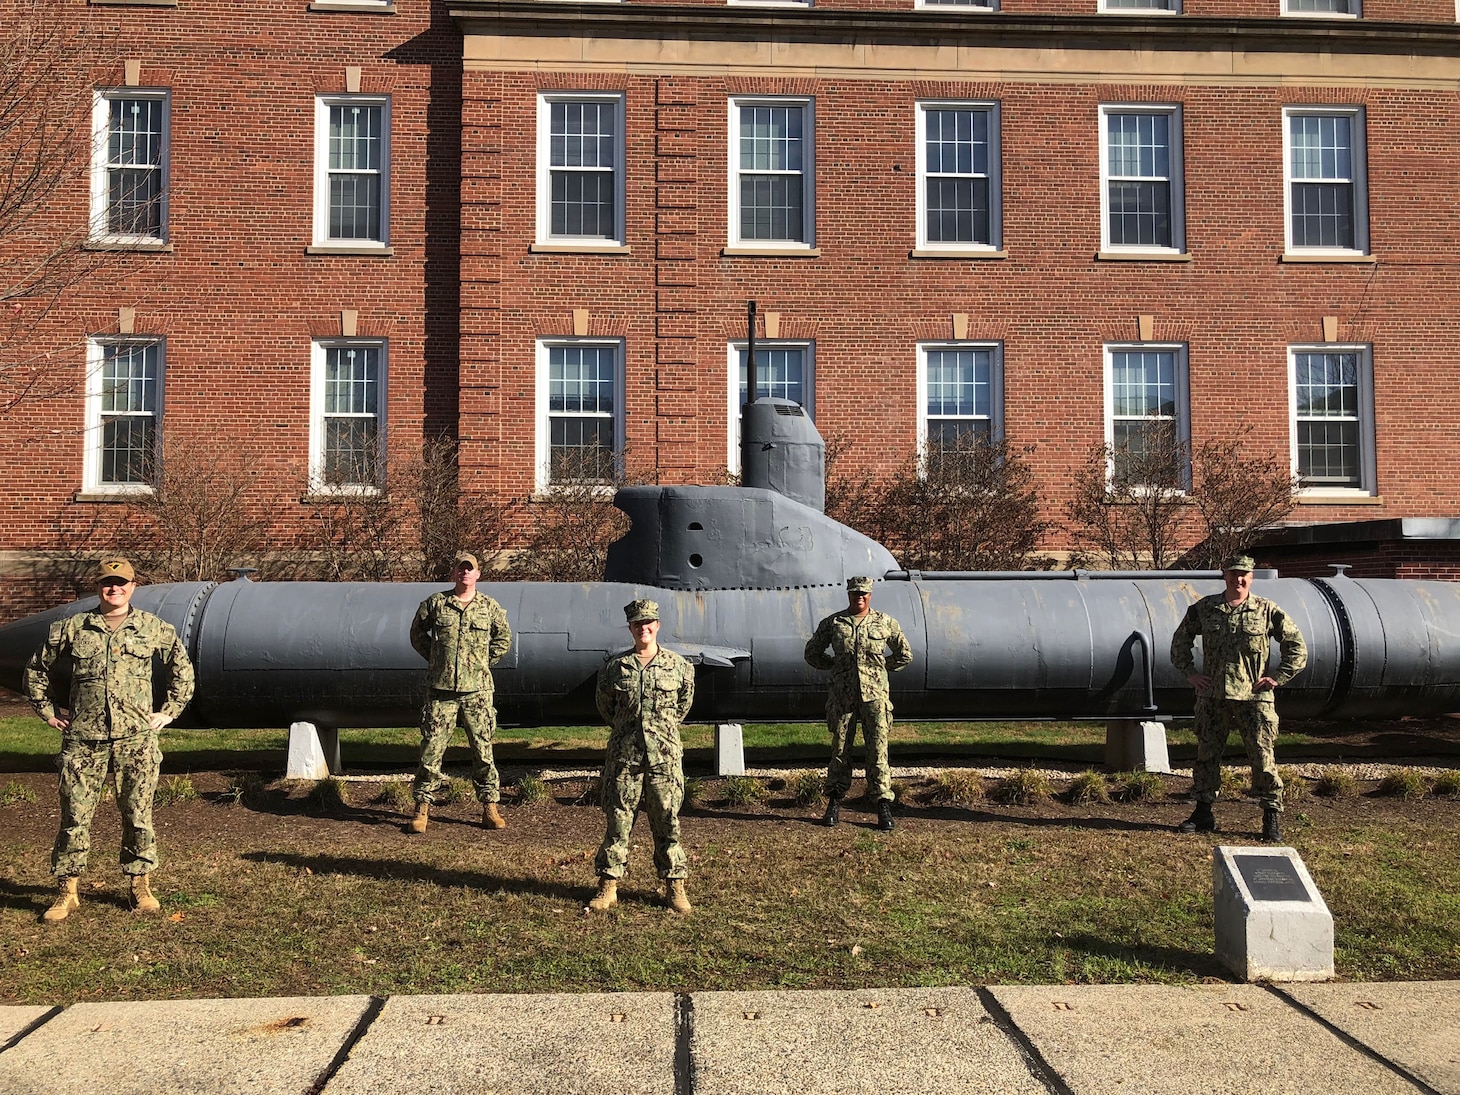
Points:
[(36, 899), (403, 870), (1169, 959)]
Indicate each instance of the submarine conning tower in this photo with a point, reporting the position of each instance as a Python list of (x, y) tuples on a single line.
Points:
[(769, 533)]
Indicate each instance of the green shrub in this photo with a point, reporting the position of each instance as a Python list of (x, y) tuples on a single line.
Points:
[(901, 791), (247, 789), (396, 794), (1022, 787), (1295, 787), (1403, 783), (1138, 787), (744, 791), (175, 789), (456, 790), (807, 787), (1447, 784), (1335, 783), (14, 792), (1234, 784), (532, 790), (957, 787), (1088, 788)]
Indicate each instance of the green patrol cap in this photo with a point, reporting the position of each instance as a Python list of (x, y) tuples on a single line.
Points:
[(640, 611), (465, 557), (1240, 562), (859, 585), (116, 567)]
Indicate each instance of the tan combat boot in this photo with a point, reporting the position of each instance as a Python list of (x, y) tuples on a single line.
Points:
[(674, 896), (492, 817), (142, 899), (66, 900), (607, 895), (423, 814)]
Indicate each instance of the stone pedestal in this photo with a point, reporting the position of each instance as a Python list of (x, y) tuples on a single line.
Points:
[(1271, 922), (314, 751), (729, 749), (1131, 744)]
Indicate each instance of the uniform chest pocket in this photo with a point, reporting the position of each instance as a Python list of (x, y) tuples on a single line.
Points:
[(1253, 632), (89, 653), (877, 636)]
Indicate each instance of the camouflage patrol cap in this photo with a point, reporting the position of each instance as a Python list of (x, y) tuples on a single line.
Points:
[(859, 585), (640, 611), (465, 557), (1240, 562), (115, 567)]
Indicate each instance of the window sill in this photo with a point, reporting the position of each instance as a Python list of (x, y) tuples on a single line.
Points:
[(121, 245), (1143, 256), (378, 251), (1299, 257), (1338, 499), (111, 494), (971, 253), (771, 252), (132, 3), (324, 498), (361, 8), (599, 492), (579, 249)]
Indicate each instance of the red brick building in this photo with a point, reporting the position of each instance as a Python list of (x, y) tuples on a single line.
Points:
[(339, 227)]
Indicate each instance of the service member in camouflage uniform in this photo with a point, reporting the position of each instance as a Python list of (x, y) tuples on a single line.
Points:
[(108, 726), (644, 696), (1234, 690), (864, 644), (462, 633)]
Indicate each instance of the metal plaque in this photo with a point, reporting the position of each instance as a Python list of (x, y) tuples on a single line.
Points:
[(1271, 878)]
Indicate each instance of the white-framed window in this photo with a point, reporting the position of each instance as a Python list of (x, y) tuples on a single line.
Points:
[(1169, 6), (959, 206), (1326, 192), (580, 411), (352, 170), (1140, 179), (347, 416), (123, 414), (580, 174), (1332, 417), (1147, 412), (1325, 8), (130, 166), (783, 370), (966, 5), (772, 191), (960, 395)]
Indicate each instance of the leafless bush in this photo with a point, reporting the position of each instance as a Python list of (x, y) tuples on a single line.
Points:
[(1130, 502), (1240, 491), (967, 505), (573, 522)]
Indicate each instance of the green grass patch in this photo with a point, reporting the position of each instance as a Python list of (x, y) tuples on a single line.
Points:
[(1089, 788), (1137, 787), (14, 793), (1403, 783), (745, 791), (532, 791), (1447, 784), (329, 795), (1335, 783), (174, 789), (1021, 787), (396, 794), (807, 786), (957, 787)]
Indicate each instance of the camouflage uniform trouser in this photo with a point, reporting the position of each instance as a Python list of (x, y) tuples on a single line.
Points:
[(625, 781), (443, 712), (842, 718), (1257, 722), (134, 763)]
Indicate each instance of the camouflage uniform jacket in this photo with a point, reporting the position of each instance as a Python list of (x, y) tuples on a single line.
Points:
[(653, 698), (111, 674), (1235, 645), (859, 661), (461, 641)]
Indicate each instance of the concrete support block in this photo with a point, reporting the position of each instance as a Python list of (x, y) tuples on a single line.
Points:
[(314, 751), (729, 749), (1131, 744), (1271, 922)]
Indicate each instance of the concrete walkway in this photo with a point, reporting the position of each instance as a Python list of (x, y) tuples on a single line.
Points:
[(1332, 1039)]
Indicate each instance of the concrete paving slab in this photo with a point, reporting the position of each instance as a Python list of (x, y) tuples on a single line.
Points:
[(877, 1042), (14, 1019), (244, 1047), (1415, 1024), (556, 1044), (1173, 1040)]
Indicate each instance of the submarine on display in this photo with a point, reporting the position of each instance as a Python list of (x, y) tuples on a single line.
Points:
[(742, 575)]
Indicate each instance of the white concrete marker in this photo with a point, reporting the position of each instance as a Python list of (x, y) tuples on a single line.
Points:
[(1272, 923), (314, 752), (729, 749), (1132, 745)]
